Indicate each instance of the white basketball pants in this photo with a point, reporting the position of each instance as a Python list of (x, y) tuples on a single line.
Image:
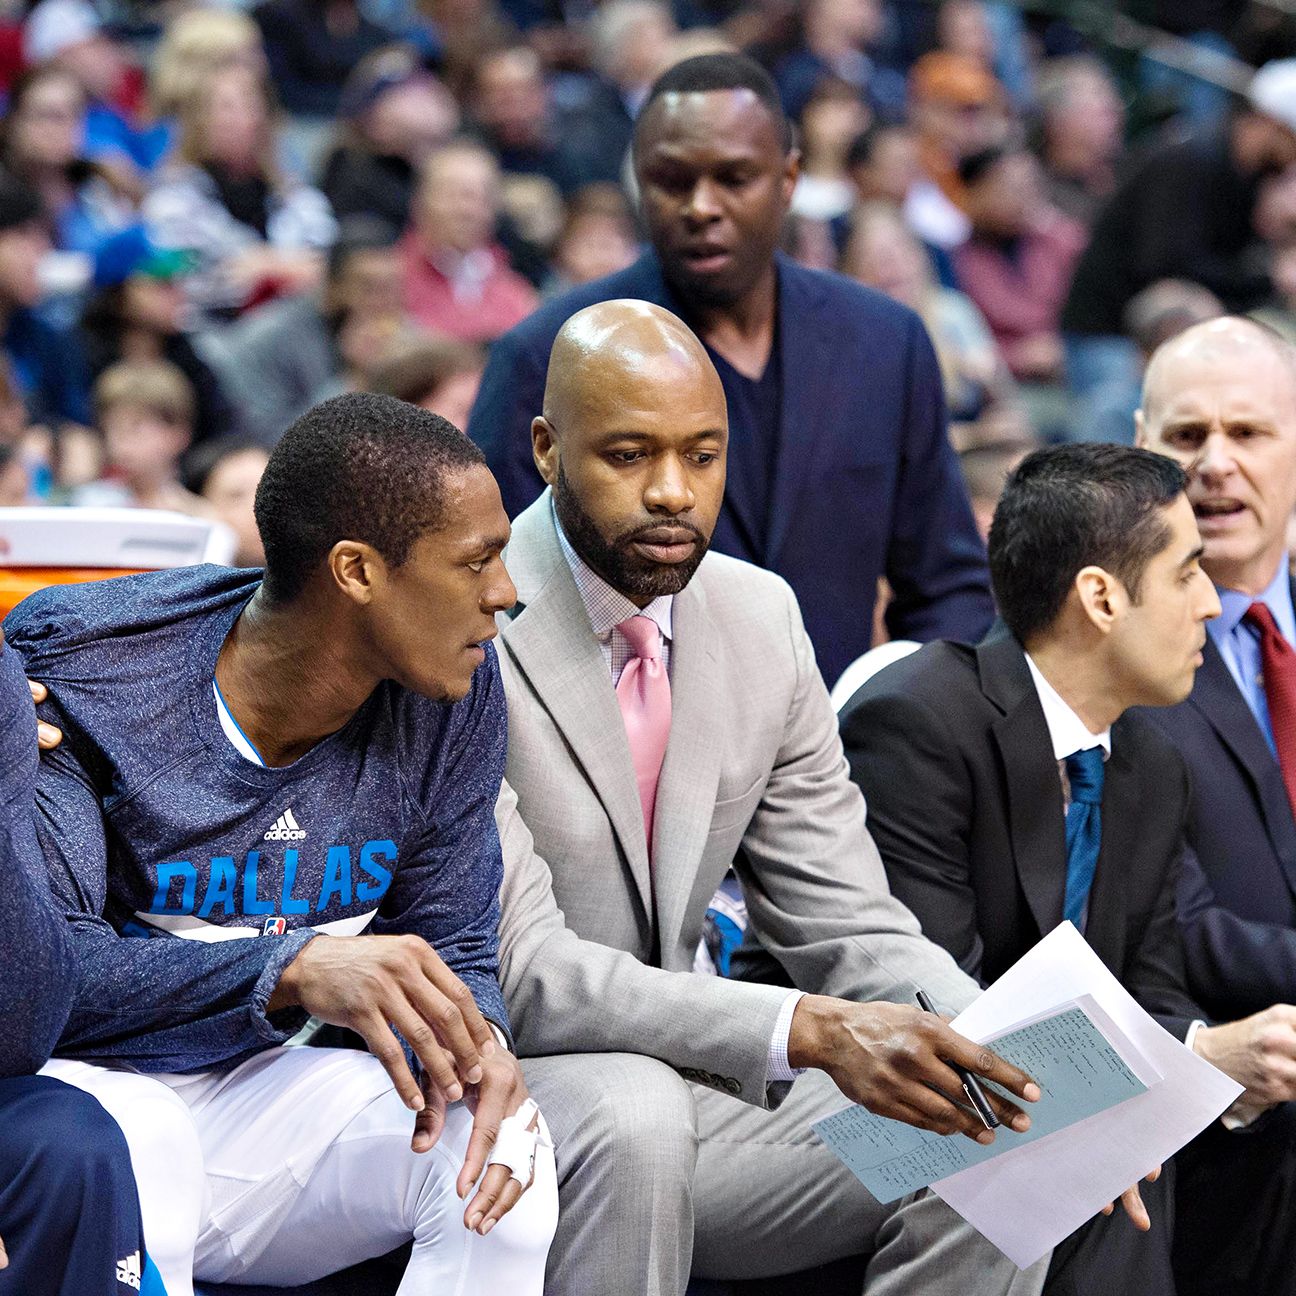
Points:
[(297, 1164)]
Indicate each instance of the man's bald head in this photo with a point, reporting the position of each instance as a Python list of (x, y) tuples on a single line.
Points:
[(615, 346), (1220, 398), (632, 441), (1229, 340)]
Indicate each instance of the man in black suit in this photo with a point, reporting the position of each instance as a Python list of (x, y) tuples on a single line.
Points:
[(982, 766), (840, 471), (1220, 399)]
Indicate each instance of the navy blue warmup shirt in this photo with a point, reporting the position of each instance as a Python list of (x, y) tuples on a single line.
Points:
[(35, 958), (193, 876)]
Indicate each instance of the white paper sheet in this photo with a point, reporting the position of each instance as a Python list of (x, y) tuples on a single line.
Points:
[(1029, 1199)]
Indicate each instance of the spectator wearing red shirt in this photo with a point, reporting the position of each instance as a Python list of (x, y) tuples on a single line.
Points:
[(457, 279), (1016, 265)]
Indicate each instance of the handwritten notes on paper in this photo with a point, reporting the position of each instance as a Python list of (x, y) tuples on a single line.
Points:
[(1078, 1069)]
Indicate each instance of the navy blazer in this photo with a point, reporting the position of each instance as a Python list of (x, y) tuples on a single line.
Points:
[(951, 749), (866, 483), (1238, 890)]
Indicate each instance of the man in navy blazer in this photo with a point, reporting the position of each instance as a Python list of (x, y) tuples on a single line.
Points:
[(1221, 399), (840, 471)]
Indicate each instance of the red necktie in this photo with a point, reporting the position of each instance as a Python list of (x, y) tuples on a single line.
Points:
[(644, 696), (1278, 662)]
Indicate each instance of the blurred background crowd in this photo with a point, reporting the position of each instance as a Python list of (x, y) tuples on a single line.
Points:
[(212, 216)]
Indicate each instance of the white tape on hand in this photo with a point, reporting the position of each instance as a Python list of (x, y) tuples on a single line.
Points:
[(516, 1145)]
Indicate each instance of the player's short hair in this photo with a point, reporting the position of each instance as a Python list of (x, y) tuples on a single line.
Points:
[(1073, 506), (357, 467), (724, 71)]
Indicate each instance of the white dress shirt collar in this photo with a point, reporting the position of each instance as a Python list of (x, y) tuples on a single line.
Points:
[(1067, 732)]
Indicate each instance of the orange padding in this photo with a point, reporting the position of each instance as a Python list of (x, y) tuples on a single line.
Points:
[(17, 582)]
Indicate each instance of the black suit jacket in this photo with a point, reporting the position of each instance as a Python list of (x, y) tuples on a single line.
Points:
[(865, 483), (952, 751), (1238, 892)]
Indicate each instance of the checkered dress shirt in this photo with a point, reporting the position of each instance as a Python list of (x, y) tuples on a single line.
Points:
[(607, 608)]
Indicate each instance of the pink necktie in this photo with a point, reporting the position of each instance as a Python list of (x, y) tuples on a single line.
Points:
[(643, 694)]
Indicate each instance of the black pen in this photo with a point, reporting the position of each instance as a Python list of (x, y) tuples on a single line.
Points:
[(971, 1085)]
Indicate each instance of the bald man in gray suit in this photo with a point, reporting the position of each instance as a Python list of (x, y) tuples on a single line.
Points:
[(682, 1141)]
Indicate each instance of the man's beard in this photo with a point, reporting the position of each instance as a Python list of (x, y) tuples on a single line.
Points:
[(614, 560)]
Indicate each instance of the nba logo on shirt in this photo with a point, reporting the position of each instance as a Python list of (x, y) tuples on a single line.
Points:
[(274, 927)]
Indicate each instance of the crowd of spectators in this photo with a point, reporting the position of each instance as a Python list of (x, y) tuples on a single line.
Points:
[(212, 216)]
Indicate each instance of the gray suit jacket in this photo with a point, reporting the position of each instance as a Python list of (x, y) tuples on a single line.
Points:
[(596, 952)]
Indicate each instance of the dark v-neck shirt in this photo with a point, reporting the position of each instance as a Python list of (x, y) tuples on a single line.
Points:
[(755, 413)]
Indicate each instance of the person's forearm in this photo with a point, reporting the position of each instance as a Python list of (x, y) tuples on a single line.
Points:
[(169, 1004), (37, 986)]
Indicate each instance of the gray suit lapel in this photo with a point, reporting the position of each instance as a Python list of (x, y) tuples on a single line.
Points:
[(553, 645), (686, 791)]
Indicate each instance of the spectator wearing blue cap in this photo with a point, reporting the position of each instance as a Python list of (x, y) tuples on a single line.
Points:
[(138, 311), (48, 364)]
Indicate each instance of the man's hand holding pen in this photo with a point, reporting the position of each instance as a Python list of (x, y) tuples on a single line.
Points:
[(899, 1062), (904, 1063)]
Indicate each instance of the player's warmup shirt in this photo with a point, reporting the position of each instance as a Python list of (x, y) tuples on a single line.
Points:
[(35, 966), (194, 875)]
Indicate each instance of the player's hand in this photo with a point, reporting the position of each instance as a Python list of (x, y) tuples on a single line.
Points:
[(47, 735), (1131, 1200), (4, 1255), (894, 1060), (429, 1123), (1258, 1051), (501, 1092), (370, 984)]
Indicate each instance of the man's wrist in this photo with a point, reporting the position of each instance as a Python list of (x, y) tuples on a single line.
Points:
[(807, 1032), (287, 991)]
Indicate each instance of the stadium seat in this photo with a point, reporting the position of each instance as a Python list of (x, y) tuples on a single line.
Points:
[(864, 667)]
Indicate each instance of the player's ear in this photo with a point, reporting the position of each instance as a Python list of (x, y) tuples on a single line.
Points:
[(544, 449), (1102, 597), (356, 569)]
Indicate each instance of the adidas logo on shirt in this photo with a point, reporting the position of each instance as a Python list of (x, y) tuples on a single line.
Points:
[(128, 1271), (286, 828)]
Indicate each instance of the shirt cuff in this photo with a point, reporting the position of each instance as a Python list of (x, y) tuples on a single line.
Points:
[(1243, 1113), (500, 1038), (1191, 1038), (777, 1068)]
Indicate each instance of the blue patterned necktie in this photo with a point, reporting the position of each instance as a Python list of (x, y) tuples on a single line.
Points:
[(1083, 830)]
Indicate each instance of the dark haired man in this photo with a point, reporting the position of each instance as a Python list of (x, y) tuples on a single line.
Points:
[(1009, 787), (839, 471), (254, 772), (666, 718), (69, 1213)]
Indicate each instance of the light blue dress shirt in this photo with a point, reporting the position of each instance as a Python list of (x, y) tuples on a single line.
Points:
[(1239, 643)]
